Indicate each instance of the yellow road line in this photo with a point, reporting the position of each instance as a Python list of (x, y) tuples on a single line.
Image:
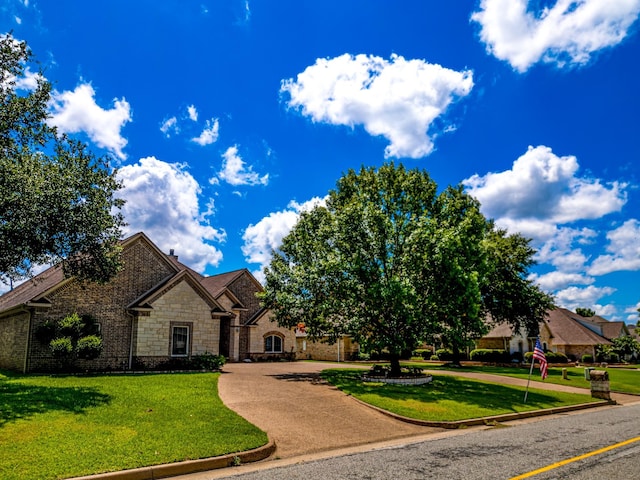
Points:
[(575, 459)]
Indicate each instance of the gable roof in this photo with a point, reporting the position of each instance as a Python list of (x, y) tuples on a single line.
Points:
[(34, 290), (566, 328)]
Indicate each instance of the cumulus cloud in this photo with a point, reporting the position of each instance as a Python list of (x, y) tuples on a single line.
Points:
[(567, 33), (542, 187), (623, 250), (209, 134), (77, 111), (163, 201), (398, 99), (266, 235), (170, 126), (234, 171), (557, 280), (192, 112), (574, 297)]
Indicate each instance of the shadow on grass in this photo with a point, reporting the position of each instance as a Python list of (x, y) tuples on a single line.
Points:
[(19, 401), (483, 395)]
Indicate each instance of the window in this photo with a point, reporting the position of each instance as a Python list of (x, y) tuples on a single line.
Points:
[(180, 341), (273, 344)]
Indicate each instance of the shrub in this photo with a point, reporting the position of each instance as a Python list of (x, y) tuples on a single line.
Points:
[(434, 357), (444, 354), (61, 347), (89, 347), (556, 357), (71, 326), (208, 361), (490, 355), (46, 332), (587, 358)]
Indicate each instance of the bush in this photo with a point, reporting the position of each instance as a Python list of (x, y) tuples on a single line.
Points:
[(556, 357), (61, 347), (208, 361), (434, 357), (89, 347), (490, 355), (444, 354), (587, 358), (46, 332), (71, 326)]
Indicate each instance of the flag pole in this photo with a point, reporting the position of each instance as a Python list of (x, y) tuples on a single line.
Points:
[(526, 392)]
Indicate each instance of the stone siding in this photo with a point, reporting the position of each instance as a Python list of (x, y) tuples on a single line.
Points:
[(264, 328), (180, 306), (343, 350)]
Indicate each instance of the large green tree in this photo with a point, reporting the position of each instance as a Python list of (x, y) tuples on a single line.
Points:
[(57, 202), (394, 263)]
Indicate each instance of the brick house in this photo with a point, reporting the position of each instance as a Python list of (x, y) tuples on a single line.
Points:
[(562, 331), (155, 310)]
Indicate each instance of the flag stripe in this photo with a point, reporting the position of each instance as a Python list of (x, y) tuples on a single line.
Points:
[(538, 354)]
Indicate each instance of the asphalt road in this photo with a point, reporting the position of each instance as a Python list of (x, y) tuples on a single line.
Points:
[(502, 452)]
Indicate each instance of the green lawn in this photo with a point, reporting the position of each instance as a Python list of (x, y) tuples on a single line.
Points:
[(448, 398), (64, 426), (620, 379)]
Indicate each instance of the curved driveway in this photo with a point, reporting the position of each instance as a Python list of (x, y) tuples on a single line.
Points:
[(302, 413)]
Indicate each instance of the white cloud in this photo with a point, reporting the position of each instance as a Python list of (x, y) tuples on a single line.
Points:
[(209, 134), (234, 172), (557, 280), (77, 111), (623, 248), (192, 112), (398, 99), (542, 187), (163, 201), (568, 33), (633, 315), (574, 297), (266, 235), (170, 126)]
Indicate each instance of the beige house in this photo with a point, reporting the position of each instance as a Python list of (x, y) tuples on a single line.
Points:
[(562, 331), (155, 311)]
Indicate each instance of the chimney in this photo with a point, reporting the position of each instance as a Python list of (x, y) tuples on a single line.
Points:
[(171, 254)]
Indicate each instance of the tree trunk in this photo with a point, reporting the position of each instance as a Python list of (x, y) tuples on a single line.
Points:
[(395, 365), (456, 354)]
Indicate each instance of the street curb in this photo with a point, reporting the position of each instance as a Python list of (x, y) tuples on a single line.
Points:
[(190, 466), (507, 417)]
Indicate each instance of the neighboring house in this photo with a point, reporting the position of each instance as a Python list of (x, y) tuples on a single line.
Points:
[(154, 311), (562, 331)]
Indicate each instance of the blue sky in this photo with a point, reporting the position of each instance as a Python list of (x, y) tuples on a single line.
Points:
[(228, 118)]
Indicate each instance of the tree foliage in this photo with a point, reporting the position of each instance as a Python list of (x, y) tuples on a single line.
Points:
[(57, 202), (585, 312), (393, 263)]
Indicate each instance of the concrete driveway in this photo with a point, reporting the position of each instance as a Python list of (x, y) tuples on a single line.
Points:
[(302, 413)]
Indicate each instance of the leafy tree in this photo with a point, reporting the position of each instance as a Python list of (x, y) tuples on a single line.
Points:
[(626, 346), (585, 312), (394, 263), (57, 201)]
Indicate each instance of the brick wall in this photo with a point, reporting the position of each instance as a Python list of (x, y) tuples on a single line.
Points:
[(14, 332), (143, 269), (345, 348), (263, 328)]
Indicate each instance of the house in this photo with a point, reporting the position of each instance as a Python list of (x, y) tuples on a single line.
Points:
[(154, 311), (562, 331)]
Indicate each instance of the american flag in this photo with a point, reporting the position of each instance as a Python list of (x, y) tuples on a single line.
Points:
[(538, 354)]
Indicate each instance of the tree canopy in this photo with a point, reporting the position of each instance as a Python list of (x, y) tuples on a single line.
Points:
[(392, 262), (585, 312), (57, 202)]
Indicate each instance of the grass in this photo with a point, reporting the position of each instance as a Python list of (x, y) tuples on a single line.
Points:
[(448, 398), (620, 380), (64, 426)]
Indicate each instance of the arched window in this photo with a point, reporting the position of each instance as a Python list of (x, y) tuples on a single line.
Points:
[(273, 344)]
